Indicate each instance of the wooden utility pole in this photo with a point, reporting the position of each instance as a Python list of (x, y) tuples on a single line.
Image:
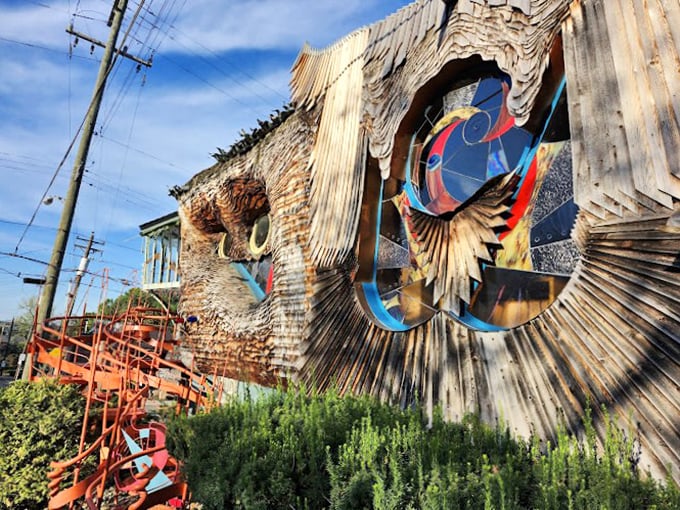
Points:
[(70, 199), (82, 267)]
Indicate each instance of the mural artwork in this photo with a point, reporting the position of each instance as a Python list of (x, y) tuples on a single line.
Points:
[(470, 204)]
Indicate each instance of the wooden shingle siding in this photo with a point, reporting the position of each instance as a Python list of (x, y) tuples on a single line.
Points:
[(623, 77), (468, 5), (337, 161), (245, 340), (611, 338), (519, 45)]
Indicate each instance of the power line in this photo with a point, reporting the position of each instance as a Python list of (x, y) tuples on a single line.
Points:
[(42, 4), (46, 6), (19, 256), (117, 264), (141, 201), (223, 59), (108, 71), (18, 275), (133, 31), (54, 177), (22, 224), (143, 153), (125, 156), (24, 156), (192, 73), (153, 47), (95, 178), (45, 48), (123, 246)]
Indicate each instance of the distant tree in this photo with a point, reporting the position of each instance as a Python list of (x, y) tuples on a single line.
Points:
[(133, 297), (137, 297), (23, 323)]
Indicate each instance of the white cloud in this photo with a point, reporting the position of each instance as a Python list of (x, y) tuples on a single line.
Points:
[(171, 124), (32, 23), (213, 24), (262, 24)]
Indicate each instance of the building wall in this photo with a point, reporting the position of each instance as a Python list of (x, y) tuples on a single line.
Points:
[(611, 336)]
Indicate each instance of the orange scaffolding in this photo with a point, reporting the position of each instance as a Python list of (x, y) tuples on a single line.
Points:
[(119, 362)]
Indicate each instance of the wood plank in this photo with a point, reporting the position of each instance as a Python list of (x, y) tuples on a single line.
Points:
[(522, 5), (583, 188), (648, 180), (664, 76)]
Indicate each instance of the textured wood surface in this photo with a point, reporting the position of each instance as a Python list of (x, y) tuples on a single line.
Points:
[(623, 78), (517, 43), (613, 335), (249, 340), (337, 163), (454, 248)]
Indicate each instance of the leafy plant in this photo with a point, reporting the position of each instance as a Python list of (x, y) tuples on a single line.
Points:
[(295, 450), (39, 422)]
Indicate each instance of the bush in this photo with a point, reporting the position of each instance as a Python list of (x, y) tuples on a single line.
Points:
[(268, 453), (39, 422), (289, 450)]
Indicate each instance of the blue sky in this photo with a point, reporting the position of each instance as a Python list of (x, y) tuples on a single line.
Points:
[(217, 67)]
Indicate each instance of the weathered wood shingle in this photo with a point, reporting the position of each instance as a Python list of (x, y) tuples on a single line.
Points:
[(623, 78), (612, 336)]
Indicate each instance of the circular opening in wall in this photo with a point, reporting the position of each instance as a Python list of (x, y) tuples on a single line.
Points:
[(461, 142)]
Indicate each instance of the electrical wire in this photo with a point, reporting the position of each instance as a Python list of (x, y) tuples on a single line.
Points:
[(125, 156), (80, 127), (171, 26), (22, 224), (6, 271), (222, 91), (224, 59), (143, 153), (45, 48), (102, 181), (19, 256), (123, 246)]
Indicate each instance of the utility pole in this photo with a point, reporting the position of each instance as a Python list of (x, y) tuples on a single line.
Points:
[(82, 267), (70, 199)]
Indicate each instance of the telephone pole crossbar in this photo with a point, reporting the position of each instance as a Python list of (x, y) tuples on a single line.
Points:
[(97, 42), (82, 269)]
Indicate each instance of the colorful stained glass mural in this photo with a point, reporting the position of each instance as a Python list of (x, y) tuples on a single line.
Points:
[(467, 157)]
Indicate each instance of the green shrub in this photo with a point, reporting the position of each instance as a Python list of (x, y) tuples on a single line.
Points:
[(289, 450), (574, 474), (268, 453), (39, 423)]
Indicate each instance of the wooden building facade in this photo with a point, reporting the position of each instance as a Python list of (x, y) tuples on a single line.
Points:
[(473, 204)]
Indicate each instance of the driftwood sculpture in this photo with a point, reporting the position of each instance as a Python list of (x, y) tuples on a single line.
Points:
[(473, 204)]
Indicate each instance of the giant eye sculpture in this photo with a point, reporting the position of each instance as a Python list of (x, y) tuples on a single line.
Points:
[(421, 199), (480, 226), (257, 271)]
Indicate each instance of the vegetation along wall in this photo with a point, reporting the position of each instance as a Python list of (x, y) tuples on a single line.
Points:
[(471, 204)]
